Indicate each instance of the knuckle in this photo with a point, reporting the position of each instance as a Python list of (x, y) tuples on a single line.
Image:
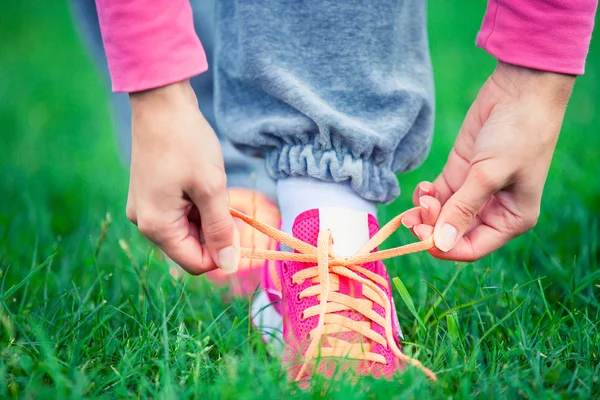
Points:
[(519, 224), (149, 226), (218, 230), (465, 213), (211, 187), (487, 178)]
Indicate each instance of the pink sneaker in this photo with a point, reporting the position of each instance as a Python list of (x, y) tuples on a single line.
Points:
[(336, 294), (355, 327)]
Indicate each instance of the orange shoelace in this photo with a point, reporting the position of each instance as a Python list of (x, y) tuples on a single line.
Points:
[(325, 276)]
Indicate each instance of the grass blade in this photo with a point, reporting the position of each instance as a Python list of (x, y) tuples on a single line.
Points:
[(452, 321), (407, 299), (34, 271)]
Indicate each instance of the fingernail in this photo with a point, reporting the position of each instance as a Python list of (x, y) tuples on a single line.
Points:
[(445, 238), (423, 190), (424, 208), (404, 223), (228, 260)]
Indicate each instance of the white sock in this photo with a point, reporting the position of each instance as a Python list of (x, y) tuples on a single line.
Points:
[(298, 194)]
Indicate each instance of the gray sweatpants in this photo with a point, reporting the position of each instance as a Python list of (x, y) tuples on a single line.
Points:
[(334, 90)]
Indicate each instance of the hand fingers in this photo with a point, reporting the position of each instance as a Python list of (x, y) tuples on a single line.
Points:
[(427, 213), (424, 221), (479, 242), (423, 189), (423, 231), (189, 253), (430, 209), (219, 230), (456, 169), (443, 190), (454, 173), (179, 240), (462, 207)]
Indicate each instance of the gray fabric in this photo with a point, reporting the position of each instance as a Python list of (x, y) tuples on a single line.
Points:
[(335, 90)]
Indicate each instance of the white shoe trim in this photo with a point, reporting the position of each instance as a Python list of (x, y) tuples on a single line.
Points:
[(267, 321)]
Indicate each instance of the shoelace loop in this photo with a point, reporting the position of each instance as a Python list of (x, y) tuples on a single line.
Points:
[(329, 264)]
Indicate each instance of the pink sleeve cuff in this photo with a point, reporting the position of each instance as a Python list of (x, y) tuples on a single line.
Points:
[(549, 35), (149, 43)]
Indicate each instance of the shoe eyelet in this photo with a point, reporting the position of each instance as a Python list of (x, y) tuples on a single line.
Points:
[(298, 299)]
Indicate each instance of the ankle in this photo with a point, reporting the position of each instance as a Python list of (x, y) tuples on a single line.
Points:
[(298, 194)]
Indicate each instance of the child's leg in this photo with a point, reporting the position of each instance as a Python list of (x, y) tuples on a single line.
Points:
[(338, 97), (242, 171), (339, 91)]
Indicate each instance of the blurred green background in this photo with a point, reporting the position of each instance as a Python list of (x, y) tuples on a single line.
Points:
[(61, 173)]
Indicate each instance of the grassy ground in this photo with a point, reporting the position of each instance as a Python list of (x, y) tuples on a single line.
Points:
[(86, 310)]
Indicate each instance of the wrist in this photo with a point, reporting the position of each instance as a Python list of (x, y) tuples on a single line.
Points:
[(526, 83), (178, 94)]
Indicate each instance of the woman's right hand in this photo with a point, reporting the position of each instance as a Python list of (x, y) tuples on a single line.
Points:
[(177, 190)]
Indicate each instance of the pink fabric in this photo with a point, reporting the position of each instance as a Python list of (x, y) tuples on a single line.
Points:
[(549, 35), (152, 44), (149, 43)]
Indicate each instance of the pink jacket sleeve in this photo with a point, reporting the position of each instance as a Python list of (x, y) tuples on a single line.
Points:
[(149, 43), (549, 35)]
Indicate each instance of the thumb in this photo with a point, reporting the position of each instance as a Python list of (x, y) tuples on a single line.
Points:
[(459, 212), (219, 230)]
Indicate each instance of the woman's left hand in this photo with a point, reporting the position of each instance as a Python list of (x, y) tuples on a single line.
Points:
[(490, 189)]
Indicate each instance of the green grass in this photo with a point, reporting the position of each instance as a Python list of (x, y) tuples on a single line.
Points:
[(88, 310)]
